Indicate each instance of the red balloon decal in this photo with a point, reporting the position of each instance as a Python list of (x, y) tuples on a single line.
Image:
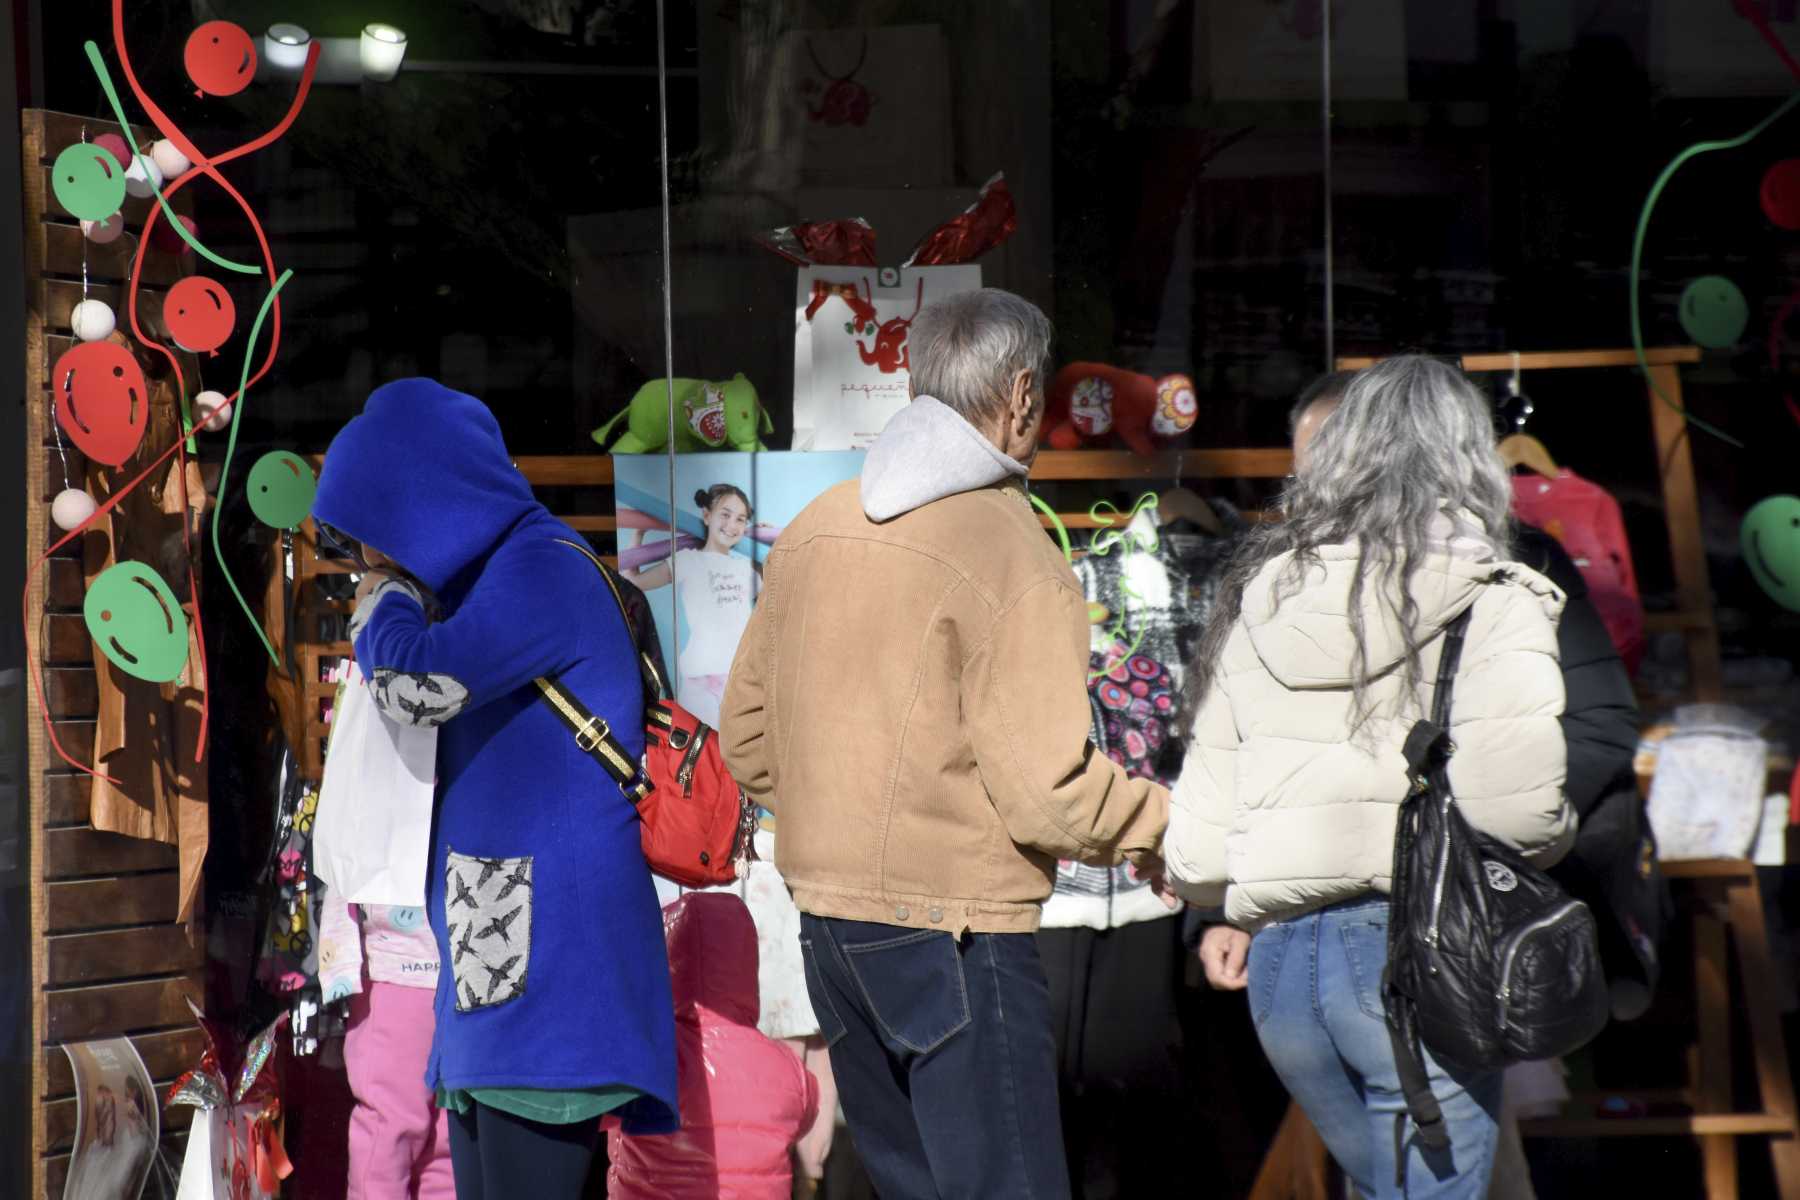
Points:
[(1781, 193), (220, 58), (199, 314), (102, 402)]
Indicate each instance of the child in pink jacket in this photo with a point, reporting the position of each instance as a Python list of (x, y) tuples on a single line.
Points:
[(745, 1099), (385, 961)]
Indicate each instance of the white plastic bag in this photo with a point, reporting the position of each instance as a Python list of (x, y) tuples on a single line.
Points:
[(1706, 798), (372, 836)]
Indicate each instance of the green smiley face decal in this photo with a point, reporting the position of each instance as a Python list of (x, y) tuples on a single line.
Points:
[(88, 181), (136, 622), (282, 486), (1771, 541)]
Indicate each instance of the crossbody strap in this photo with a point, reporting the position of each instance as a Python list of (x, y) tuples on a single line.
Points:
[(593, 735), (1427, 744)]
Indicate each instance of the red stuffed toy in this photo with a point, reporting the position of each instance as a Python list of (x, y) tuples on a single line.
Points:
[(1090, 400)]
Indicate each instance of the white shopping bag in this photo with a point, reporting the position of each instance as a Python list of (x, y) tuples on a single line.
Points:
[(372, 836), (851, 360), (219, 1163), (204, 1175)]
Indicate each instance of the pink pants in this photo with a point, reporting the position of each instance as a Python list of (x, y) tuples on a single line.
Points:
[(399, 1139)]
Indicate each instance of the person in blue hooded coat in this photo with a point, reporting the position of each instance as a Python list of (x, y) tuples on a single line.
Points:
[(554, 1004)]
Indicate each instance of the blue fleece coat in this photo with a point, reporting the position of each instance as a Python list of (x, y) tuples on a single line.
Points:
[(554, 969)]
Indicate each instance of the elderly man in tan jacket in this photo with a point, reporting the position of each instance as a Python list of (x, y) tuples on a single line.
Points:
[(910, 699)]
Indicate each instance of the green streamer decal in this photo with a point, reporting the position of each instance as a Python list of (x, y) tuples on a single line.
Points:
[(175, 223), (237, 415)]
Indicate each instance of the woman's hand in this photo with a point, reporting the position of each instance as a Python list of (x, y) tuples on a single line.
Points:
[(371, 580), (1225, 956)]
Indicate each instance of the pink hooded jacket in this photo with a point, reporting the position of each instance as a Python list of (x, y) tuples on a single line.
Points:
[(745, 1100)]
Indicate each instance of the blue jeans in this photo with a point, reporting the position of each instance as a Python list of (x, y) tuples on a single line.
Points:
[(1315, 995), (944, 1057)]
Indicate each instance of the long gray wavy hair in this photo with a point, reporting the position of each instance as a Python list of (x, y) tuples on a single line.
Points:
[(1411, 438)]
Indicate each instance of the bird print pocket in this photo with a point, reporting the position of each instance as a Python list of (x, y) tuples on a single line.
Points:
[(487, 905)]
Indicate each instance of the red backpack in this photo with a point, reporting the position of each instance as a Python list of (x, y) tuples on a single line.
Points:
[(696, 821)]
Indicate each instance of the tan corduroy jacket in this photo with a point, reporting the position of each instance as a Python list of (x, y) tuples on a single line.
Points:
[(910, 699)]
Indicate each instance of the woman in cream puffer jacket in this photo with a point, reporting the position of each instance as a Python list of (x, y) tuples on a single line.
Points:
[(1395, 524)]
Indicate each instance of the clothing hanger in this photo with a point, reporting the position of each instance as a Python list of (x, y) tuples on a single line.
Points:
[(1523, 450), (1181, 503), (1520, 449)]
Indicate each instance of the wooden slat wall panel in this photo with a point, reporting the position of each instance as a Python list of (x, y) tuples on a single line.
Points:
[(102, 903), (64, 247), (107, 960), (77, 738), (109, 1009), (59, 1121), (60, 297), (89, 958), (71, 853), (66, 799), (165, 1055), (53, 472), (56, 1169), (64, 584), (72, 693), (66, 640)]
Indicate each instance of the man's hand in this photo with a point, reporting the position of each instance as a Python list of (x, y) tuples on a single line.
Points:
[(1225, 956)]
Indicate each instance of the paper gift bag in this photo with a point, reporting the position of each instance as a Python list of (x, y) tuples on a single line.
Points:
[(851, 327), (372, 836), (227, 1158), (205, 1174)]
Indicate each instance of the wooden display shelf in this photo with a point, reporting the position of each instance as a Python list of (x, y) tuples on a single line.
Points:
[(1556, 360)]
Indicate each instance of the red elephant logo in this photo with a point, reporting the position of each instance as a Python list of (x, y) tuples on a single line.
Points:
[(890, 352)]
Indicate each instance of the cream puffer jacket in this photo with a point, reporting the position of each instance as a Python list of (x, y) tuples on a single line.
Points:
[(1279, 810)]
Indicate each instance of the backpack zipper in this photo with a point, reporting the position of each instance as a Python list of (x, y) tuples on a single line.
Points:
[(1437, 890), (1512, 952), (684, 774)]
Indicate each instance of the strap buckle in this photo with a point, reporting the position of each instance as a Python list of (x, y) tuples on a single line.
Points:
[(592, 734)]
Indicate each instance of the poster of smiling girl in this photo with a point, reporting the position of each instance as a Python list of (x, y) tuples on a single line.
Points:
[(700, 566)]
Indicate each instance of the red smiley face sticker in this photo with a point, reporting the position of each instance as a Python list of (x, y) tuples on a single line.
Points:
[(102, 402), (220, 58), (199, 314)]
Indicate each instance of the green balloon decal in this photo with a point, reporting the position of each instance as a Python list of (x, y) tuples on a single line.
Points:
[(88, 181), (1771, 541), (136, 621), (1714, 312), (281, 489)]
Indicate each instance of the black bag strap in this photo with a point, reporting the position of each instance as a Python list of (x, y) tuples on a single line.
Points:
[(1427, 745), (654, 683), (593, 735)]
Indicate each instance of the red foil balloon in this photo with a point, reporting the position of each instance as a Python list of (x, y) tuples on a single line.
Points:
[(199, 314), (115, 145), (102, 402), (220, 59), (164, 238)]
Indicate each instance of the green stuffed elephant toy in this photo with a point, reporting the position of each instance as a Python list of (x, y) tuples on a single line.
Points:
[(708, 416)]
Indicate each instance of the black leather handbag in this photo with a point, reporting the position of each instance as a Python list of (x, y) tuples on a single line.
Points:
[(1490, 962)]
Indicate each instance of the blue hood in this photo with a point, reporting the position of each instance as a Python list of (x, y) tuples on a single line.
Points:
[(424, 477)]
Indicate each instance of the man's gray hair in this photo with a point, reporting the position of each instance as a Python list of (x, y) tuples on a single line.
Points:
[(967, 349)]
